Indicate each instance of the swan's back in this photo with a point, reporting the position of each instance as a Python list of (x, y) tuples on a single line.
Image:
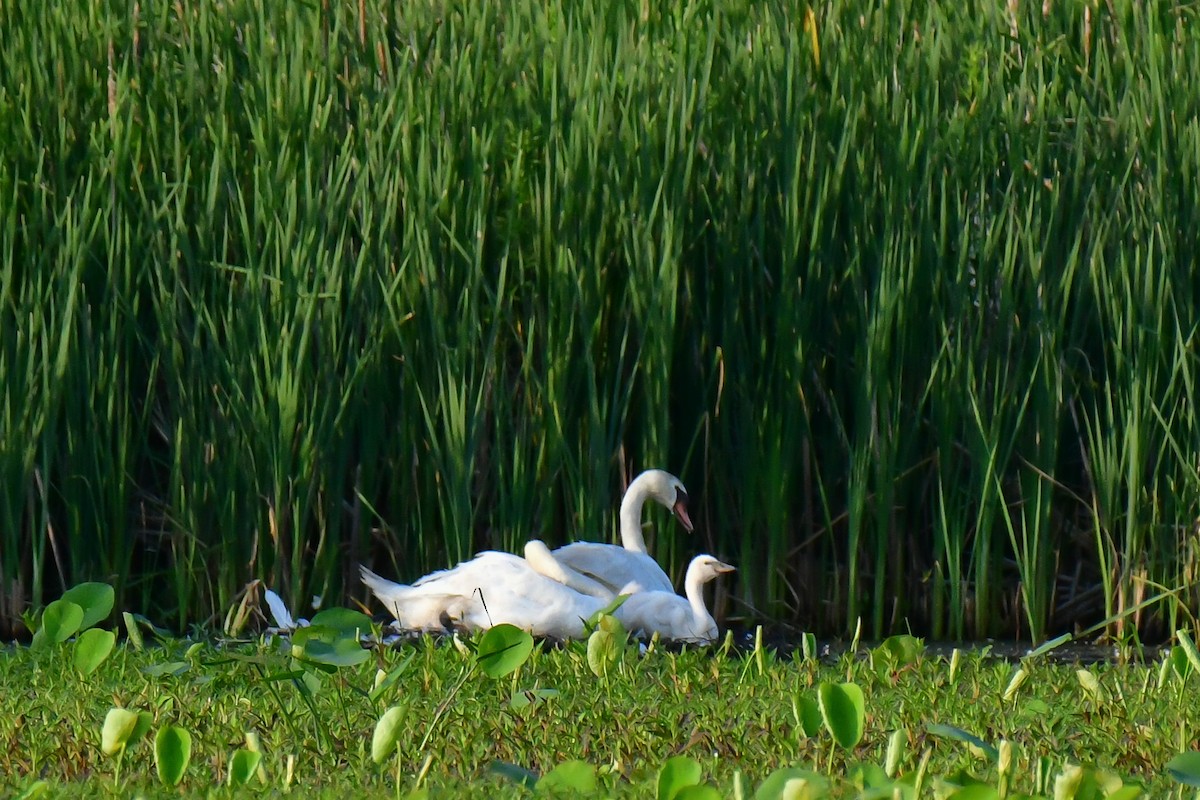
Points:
[(615, 567), (488, 590)]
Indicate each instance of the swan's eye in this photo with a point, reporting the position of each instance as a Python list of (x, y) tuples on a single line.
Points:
[(681, 496)]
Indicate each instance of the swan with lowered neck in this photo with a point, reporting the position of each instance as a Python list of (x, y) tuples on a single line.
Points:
[(628, 568), (671, 616)]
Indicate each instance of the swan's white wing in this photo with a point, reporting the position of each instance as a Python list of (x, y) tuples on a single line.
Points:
[(283, 617), (668, 615), (488, 590), (615, 567)]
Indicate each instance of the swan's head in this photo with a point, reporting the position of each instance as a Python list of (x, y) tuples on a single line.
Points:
[(667, 490), (704, 568)]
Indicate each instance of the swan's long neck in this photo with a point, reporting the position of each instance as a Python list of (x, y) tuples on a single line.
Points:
[(694, 590), (631, 516), (539, 557)]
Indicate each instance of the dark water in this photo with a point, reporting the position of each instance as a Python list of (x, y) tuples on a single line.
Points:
[(789, 644)]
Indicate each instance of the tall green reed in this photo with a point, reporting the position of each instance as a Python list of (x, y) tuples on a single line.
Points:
[(902, 293)]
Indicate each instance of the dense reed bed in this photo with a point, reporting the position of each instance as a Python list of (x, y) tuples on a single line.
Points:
[(904, 293)]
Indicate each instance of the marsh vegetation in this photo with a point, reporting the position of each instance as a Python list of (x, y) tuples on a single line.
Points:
[(316, 714), (905, 294)]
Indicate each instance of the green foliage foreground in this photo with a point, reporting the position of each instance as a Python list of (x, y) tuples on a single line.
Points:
[(318, 715), (904, 291)]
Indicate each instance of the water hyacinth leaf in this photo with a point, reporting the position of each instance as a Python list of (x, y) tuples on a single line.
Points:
[(569, 777), (808, 646), (896, 790), (1189, 649), (346, 620), (387, 732), (678, 772), (843, 711), (958, 734), (868, 776), (977, 791), (1130, 792), (172, 754), (808, 714), (1185, 768), (1089, 682), (95, 599), (119, 725), (594, 620), (243, 766), (502, 650), (701, 791), (389, 679), (92, 648), (603, 649), (1179, 662), (1099, 784), (61, 620), (896, 747), (902, 650), (144, 722), (1018, 680), (131, 628), (341, 652), (792, 782)]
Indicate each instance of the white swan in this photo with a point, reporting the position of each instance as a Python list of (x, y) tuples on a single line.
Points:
[(545, 597), (535, 593), (629, 568), (671, 616)]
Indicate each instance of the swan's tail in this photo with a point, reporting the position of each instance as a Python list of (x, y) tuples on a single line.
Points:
[(413, 607), (387, 591)]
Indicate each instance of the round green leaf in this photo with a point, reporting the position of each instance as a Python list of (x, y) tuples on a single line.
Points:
[(387, 731), (902, 650), (144, 721), (792, 782), (603, 648), (677, 773), (1185, 768), (60, 620), (172, 753), (503, 649), (119, 724), (701, 791), (843, 711), (346, 620), (242, 766), (339, 651), (808, 714), (91, 648), (96, 600), (569, 776)]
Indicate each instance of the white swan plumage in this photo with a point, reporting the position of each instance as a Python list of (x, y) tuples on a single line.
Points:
[(673, 617), (545, 597), (534, 593), (628, 568)]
